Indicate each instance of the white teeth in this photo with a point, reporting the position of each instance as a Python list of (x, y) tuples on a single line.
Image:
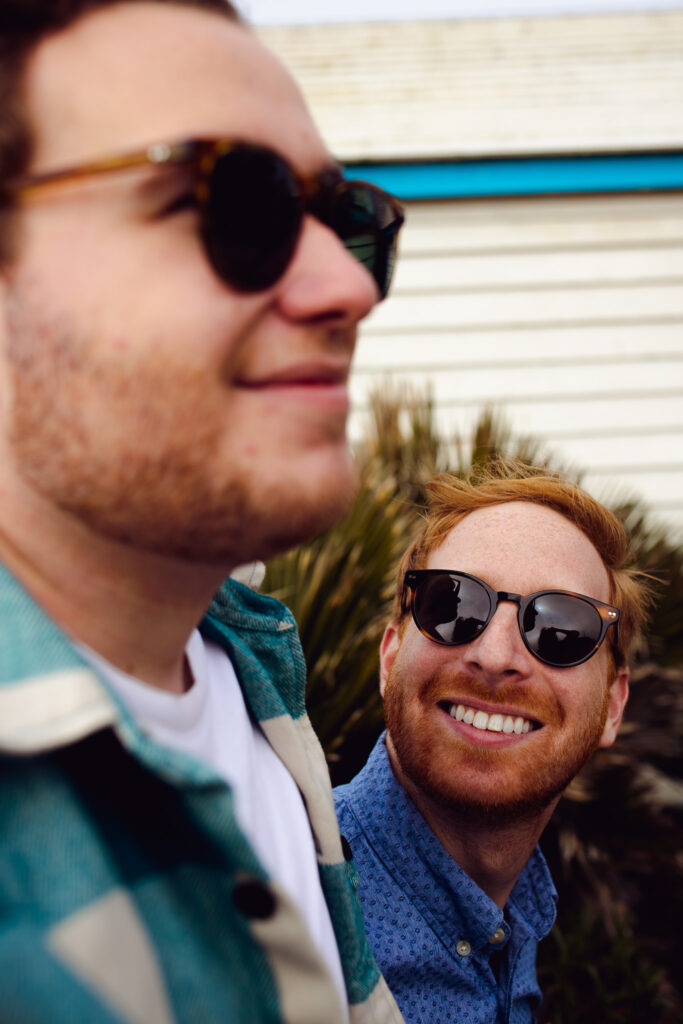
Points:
[(491, 723), (481, 720)]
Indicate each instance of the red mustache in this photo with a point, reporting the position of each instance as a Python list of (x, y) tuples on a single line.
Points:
[(533, 703)]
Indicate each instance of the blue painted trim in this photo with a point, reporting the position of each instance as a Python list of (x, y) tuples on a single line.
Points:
[(525, 176)]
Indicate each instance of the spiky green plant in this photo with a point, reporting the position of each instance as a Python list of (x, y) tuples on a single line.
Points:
[(599, 977), (614, 842), (341, 610)]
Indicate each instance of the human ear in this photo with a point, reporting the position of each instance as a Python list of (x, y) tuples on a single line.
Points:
[(388, 650), (618, 695)]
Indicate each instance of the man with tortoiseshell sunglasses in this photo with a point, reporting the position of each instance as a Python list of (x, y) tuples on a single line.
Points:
[(504, 667), (183, 268)]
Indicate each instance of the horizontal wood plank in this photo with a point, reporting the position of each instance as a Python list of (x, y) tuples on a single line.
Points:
[(567, 345), (579, 83), (519, 309)]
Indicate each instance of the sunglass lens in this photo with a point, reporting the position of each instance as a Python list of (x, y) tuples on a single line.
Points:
[(451, 609), (252, 217), (562, 630), (368, 224)]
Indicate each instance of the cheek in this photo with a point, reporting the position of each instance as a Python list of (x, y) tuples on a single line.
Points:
[(121, 276), (584, 694), (419, 668), (397, 681)]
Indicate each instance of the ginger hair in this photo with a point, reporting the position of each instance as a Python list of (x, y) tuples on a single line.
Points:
[(451, 498)]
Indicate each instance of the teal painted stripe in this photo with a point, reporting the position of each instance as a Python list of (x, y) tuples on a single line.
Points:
[(522, 176)]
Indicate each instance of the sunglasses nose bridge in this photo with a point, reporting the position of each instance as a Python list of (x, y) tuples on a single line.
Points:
[(497, 652), (507, 596), (317, 196), (500, 596)]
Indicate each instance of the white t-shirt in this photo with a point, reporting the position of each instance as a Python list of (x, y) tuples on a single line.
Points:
[(211, 722)]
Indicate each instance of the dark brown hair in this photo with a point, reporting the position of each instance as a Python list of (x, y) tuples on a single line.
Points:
[(23, 24), (452, 498)]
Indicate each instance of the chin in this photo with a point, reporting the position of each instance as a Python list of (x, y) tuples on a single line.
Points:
[(189, 505), (249, 523), (301, 515)]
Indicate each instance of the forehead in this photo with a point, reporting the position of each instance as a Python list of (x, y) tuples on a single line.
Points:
[(135, 73), (523, 547)]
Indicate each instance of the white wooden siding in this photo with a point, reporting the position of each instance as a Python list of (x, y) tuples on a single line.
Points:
[(414, 90), (564, 314)]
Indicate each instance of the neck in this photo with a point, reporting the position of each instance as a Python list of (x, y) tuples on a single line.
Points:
[(135, 608), (492, 849)]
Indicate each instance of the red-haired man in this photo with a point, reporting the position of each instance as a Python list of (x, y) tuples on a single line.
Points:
[(504, 667)]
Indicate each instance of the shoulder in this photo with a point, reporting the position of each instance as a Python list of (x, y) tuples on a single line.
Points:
[(349, 824), (371, 779), (362, 804)]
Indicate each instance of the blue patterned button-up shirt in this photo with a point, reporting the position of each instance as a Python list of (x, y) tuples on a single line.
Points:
[(448, 952)]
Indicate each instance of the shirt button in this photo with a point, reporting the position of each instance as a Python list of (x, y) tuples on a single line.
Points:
[(254, 899), (497, 936), (463, 948)]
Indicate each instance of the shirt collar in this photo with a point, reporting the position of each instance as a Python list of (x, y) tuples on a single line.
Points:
[(49, 696), (447, 897)]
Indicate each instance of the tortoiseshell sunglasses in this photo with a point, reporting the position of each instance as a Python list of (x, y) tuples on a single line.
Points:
[(560, 628), (252, 203)]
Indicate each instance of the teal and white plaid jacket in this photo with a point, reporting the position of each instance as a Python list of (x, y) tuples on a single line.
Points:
[(128, 894)]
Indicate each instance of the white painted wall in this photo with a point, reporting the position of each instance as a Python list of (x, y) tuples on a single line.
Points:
[(450, 89), (566, 315), (288, 12)]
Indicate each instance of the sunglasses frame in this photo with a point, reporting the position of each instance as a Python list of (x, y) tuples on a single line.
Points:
[(609, 616), (316, 193)]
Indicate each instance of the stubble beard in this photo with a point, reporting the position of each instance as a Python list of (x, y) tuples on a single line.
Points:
[(529, 780), (137, 456)]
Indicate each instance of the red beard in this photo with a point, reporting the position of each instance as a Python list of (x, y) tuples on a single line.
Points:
[(499, 783)]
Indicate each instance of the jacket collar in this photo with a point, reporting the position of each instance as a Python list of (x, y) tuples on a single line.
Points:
[(50, 696)]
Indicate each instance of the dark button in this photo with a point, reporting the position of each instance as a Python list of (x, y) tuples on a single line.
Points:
[(346, 848), (254, 899)]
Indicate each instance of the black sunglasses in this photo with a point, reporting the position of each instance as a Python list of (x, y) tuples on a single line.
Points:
[(252, 204), (560, 628)]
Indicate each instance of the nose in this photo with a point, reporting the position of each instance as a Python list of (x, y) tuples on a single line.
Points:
[(499, 652), (324, 282)]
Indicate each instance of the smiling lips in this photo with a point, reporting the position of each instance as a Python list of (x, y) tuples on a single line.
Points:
[(308, 375), (494, 722)]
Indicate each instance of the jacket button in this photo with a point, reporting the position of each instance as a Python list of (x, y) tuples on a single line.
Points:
[(346, 848), (254, 899)]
